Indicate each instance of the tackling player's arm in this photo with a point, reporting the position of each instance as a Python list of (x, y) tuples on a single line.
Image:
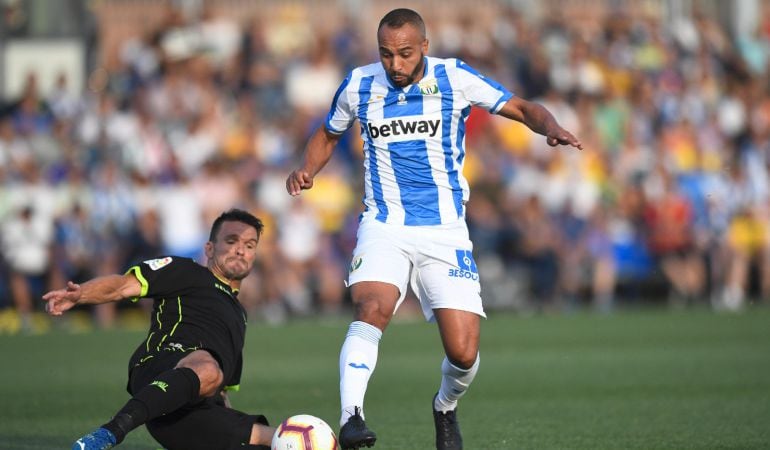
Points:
[(317, 154), (110, 288), (539, 120)]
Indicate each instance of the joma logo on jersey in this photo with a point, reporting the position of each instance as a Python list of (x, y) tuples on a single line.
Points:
[(467, 266), (404, 128), (162, 385)]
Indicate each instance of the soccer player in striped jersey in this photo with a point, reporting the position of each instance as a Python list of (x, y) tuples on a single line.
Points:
[(412, 110)]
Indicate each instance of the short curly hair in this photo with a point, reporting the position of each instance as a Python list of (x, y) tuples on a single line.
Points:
[(236, 215), (402, 16)]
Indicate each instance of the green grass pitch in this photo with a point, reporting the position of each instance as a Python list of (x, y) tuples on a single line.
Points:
[(641, 380)]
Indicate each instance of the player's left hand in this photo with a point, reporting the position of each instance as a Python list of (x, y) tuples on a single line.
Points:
[(560, 136), (61, 300)]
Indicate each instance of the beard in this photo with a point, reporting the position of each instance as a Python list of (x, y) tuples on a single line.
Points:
[(232, 273), (408, 78), (237, 276)]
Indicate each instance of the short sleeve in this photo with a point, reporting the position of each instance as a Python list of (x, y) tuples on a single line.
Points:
[(163, 275), (341, 116), (479, 90)]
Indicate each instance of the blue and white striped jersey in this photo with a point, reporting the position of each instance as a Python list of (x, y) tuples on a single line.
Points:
[(414, 137)]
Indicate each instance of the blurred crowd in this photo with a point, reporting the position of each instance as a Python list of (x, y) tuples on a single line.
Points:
[(668, 202)]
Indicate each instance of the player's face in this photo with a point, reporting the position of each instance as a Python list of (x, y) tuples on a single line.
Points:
[(233, 252), (402, 52)]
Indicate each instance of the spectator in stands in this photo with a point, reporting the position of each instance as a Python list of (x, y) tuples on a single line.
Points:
[(26, 247), (649, 101)]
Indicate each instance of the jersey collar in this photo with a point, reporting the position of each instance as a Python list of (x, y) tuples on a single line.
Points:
[(226, 283)]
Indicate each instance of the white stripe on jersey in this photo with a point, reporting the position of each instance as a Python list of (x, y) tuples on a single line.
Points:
[(414, 137)]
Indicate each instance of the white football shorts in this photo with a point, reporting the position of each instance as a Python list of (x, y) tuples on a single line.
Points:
[(436, 260)]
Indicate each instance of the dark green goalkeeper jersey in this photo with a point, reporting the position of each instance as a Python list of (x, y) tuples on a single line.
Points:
[(192, 310)]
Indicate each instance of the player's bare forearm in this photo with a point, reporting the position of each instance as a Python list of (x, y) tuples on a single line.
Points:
[(319, 151), (317, 154), (104, 289), (539, 120), (110, 288)]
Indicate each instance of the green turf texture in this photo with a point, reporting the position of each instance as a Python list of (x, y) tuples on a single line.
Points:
[(641, 380)]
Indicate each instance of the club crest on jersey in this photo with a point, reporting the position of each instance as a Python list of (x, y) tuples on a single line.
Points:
[(401, 99), (158, 263), (356, 263), (428, 87), (466, 266)]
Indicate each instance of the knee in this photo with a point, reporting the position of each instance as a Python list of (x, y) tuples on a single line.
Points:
[(211, 377), (209, 374), (462, 350), (373, 311), (374, 302), (465, 359)]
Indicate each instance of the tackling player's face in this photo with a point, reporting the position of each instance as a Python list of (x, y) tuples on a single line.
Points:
[(234, 250), (402, 53)]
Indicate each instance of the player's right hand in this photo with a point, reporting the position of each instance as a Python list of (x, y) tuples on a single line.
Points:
[(297, 181), (560, 136), (61, 300)]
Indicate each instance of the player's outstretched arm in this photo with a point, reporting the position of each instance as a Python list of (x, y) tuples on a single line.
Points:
[(110, 288), (539, 120), (317, 154)]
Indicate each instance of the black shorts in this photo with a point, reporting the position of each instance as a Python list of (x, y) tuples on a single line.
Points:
[(205, 425)]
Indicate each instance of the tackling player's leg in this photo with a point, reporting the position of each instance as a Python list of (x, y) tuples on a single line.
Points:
[(99, 439), (195, 375)]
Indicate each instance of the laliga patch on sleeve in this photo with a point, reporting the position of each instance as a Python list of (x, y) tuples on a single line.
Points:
[(159, 263)]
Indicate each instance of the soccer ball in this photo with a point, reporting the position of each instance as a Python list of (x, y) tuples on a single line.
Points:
[(304, 432)]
